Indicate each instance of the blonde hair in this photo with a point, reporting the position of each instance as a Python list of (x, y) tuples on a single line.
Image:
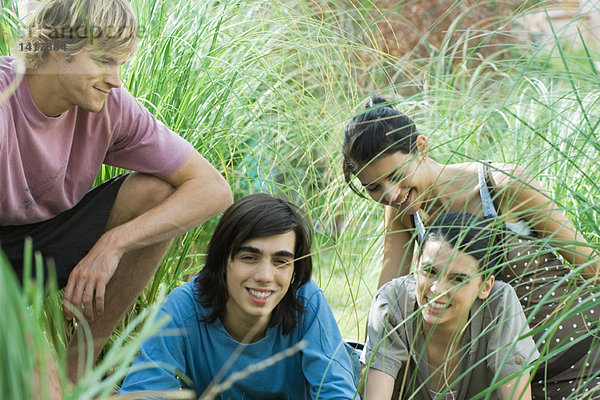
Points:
[(72, 25)]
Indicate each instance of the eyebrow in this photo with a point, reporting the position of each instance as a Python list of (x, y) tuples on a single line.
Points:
[(460, 274), (108, 59), (254, 250)]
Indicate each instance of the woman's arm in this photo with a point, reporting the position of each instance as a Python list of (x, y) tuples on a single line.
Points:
[(517, 389), (387, 346), (524, 197), (397, 248), (378, 386)]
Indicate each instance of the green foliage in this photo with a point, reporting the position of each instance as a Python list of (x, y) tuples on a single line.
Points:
[(17, 338), (263, 89), (32, 348), (9, 25)]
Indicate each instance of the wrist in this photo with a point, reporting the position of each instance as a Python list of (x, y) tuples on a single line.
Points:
[(115, 240)]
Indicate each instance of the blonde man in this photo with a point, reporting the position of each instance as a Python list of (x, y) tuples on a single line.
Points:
[(68, 114)]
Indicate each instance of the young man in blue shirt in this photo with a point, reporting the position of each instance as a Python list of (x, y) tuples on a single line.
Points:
[(253, 299)]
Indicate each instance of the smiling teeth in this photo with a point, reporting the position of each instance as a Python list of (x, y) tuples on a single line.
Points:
[(435, 305), (399, 204), (260, 295), (405, 197)]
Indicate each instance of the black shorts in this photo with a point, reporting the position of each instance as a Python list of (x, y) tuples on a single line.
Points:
[(65, 239)]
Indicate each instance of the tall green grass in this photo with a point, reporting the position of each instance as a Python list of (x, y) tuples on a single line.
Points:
[(10, 25), (31, 324), (263, 90)]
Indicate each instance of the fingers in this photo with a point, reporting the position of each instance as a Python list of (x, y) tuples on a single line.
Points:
[(87, 282), (88, 298), (100, 288), (80, 292), (76, 295), (68, 302)]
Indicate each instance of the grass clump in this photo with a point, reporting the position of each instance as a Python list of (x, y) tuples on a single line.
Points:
[(263, 89)]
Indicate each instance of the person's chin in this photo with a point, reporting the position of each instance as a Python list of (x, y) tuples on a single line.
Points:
[(93, 108), (256, 311), (434, 316)]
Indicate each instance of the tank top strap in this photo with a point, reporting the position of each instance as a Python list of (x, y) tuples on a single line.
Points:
[(489, 211), (419, 226)]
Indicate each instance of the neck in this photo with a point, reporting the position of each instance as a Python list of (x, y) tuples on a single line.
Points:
[(44, 88), (446, 334), (245, 330), (448, 184)]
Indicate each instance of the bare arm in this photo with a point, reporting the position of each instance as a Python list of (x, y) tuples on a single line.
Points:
[(200, 193), (398, 247), (517, 389), (378, 386), (525, 197)]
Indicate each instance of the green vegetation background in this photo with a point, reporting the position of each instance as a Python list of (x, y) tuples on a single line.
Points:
[(263, 90)]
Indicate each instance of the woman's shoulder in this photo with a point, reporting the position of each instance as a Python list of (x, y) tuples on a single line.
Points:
[(502, 288), (394, 304), (506, 175), (520, 192), (398, 285), (398, 293), (502, 297)]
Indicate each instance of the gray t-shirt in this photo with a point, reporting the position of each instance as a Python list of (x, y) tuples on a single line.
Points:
[(396, 345)]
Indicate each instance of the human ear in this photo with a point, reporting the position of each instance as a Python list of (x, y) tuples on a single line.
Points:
[(486, 288), (422, 146)]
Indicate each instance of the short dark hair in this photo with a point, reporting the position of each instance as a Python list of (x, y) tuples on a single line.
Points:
[(378, 130), (471, 235), (254, 216)]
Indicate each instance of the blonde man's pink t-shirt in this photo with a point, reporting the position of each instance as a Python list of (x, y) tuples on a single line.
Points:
[(48, 164)]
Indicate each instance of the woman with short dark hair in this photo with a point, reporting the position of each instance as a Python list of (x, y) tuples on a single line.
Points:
[(449, 330)]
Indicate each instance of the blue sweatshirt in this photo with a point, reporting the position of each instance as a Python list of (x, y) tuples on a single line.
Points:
[(187, 345)]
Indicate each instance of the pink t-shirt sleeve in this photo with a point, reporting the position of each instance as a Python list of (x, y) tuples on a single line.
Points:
[(47, 164), (6, 79), (141, 142)]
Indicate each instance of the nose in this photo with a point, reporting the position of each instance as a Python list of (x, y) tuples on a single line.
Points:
[(264, 272), (440, 285), (112, 77), (435, 285)]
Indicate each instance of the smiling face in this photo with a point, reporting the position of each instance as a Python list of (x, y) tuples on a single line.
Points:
[(395, 180), (258, 277), (86, 79), (447, 283)]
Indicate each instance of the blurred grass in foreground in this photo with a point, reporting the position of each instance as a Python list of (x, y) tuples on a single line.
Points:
[(264, 89)]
